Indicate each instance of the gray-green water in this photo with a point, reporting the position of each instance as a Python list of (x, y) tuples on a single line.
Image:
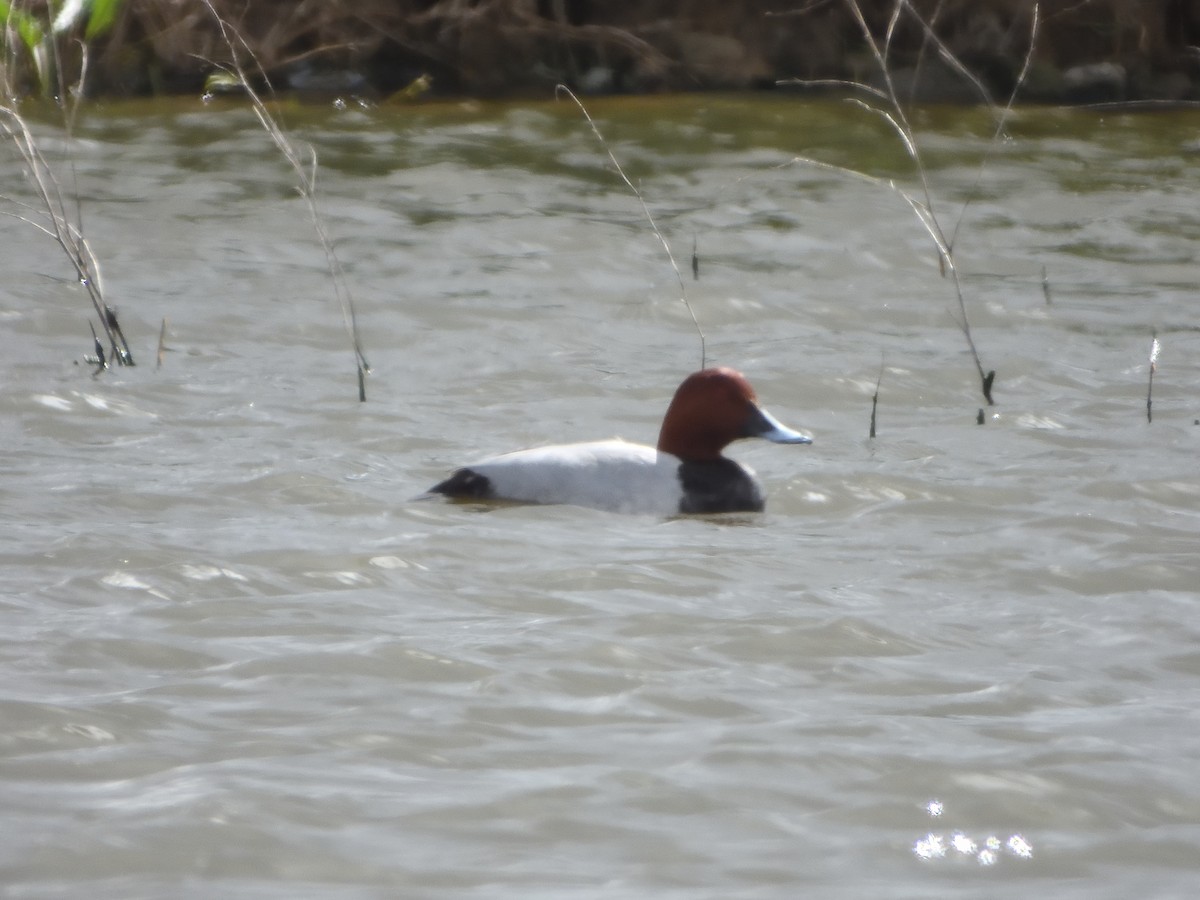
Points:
[(237, 660)]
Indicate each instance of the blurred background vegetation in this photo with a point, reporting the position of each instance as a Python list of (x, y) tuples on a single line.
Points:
[(1086, 49)]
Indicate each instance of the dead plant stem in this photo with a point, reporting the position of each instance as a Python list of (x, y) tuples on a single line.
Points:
[(563, 89), (898, 120), (1155, 348), (53, 218), (875, 396), (306, 176)]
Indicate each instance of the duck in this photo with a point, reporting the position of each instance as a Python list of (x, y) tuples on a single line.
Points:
[(684, 474)]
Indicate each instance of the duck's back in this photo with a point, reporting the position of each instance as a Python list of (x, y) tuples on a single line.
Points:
[(613, 475)]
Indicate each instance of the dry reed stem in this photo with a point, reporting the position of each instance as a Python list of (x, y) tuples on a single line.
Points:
[(162, 344), (896, 118), (1155, 348), (54, 218), (563, 89), (875, 396), (1001, 119), (307, 187)]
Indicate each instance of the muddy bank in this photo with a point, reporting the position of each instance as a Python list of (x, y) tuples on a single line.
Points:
[(1106, 50)]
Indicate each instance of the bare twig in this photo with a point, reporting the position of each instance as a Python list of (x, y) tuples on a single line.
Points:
[(162, 344), (933, 17), (54, 218), (100, 362), (875, 396), (306, 177), (897, 119), (1002, 118), (563, 89), (1155, 347), (944, 52), (110, 316)]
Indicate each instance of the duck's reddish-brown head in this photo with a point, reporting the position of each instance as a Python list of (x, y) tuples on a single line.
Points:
[(713, 408)]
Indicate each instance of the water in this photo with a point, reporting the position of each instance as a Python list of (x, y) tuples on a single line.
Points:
[(239, 660)]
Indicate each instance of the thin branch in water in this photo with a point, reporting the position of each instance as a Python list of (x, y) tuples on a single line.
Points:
[(98, 360), (891, 32), (1155, 347), (920, 61), (306, 176), (897, 118), (923, 214), (875, 396), (70, 98), (121, 352), (945, 53), (695, 261), (51, 215), (1001, 121), (162, 343), (563, 89)]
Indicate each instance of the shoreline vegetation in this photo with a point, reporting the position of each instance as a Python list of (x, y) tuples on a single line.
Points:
[(1087, 51)]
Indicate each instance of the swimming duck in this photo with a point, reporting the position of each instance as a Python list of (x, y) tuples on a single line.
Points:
[(685, 473)]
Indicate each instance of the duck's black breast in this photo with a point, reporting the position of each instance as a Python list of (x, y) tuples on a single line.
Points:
[(719, 486)]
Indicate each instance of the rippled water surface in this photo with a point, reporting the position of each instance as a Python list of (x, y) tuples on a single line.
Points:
[(238, 659)]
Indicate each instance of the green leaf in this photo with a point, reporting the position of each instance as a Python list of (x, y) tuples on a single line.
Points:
[(104, 14), (28, 27)]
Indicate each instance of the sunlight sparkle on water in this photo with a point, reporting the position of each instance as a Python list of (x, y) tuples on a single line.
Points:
[(932, 846), (962, 843), (986, 853), (1018, 846)]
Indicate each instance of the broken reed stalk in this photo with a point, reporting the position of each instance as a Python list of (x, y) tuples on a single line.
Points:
[(894, 115), (1155, 347), (55, 218), (98, 360), (306, 177), (897, 119), (162, 344), (875, 396), (563, 89)]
